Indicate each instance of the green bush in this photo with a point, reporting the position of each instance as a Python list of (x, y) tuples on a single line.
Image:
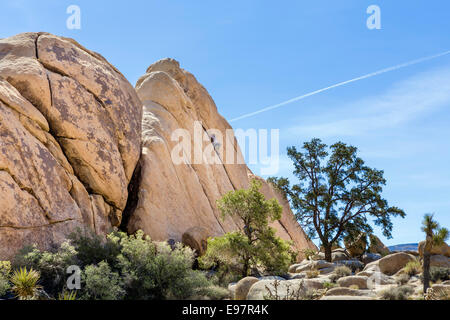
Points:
[(412, 268), (403, 279), (155, 271), (439, 274), (133, 267), (340, 272), (4, 285), (52, 266), (5, 271), (399, 293), (92, 249), (308, 253), (100, 283)]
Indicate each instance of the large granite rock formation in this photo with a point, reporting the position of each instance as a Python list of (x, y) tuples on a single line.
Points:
[(70, 139), (174, 197), (71, 128)]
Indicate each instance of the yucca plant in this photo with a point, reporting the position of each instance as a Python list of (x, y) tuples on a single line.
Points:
[(66, 295), (25, 283), (435, 236)]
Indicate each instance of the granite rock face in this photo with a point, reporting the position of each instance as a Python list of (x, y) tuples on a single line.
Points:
[(70, 138), (80, 147), (175, 196)]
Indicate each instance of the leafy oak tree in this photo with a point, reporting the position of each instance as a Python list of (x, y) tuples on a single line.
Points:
[(435, 236), (337, 193), (256, 245)]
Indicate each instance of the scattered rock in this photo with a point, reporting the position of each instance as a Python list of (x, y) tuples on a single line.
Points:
[(356, 247), (377, 246), (243, 287), (360, 281), (352, 264), (232, 289), (370, 257), (443, 250), (346, 298), (439, 261), (348, 292), (339, 256), (197, 239), (391, 264)]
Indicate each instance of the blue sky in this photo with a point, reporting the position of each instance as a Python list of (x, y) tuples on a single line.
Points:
[(252, 54)]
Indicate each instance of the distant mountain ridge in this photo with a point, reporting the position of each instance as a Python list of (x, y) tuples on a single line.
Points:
[(405, 247)]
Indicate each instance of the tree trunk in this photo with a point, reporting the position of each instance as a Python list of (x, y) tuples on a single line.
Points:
[(328, 252), (246, 267), (426, 271)]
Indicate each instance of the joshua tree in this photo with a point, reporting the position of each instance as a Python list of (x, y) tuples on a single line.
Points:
[(435, 236), (337, 193)]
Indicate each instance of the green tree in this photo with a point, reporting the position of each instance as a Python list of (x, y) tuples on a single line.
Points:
[(337, 193), (435, 236), (256, 244)]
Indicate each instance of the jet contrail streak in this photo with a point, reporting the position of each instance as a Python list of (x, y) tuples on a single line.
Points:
[(403, 65)]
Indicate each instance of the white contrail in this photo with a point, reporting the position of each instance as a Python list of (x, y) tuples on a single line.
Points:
[(403, 65)]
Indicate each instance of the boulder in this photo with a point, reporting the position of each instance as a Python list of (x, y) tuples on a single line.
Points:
[(260, 290), (339, 256), (70, 136), (392, 263), (179, 186), (346, 298), (439, 261), (377, 246), (347, 292), (232, 289), (352, 264), (356, 247), (370, 257), (318, 256), (349, 281), (197, 239), (443, 250), (321, 264), (243, 287)]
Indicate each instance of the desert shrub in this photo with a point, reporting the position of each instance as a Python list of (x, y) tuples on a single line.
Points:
[(412, 268), (292, 292), (220, 257), (308, 253), (68, 295), (211, 292), (403, 279), (25, 283), (5, 268), (4, 285), (340, 272), (156, 271), (329, 285), (439, 274), (52, 266), (311, 274), (92, 249), (399, 293), (5, 271), (101, 283)]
